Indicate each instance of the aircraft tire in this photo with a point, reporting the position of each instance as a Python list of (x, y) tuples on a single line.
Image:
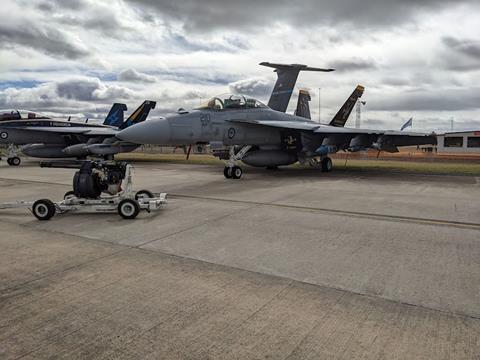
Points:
[(128, 209), (14, 161), (227, 172), (237, 172), (327, 164), (43, 209)]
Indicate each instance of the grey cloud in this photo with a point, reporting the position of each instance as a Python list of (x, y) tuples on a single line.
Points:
[(132, 75), (84, 92), (68, 4), (44, 38), (106, 23), (177, 40), (45, 6), (91, 89), (212, 14), (87, 15), (53, 5), (258, 87), (460, 54), (90, 97), (199, 76), (396, 81), (427, 100), (353, 64), (470, 48)]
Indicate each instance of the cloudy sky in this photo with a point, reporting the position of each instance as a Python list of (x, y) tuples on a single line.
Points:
[(76, 57)]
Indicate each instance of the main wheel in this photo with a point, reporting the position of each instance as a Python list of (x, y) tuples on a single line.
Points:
[(227, 172), (43, 209), (237, 172), (128, 209), (327, 164), (144, 194), (9, 161), (14, 161)]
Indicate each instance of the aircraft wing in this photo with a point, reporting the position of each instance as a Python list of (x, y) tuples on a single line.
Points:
[(324, 129), (335, 130), (89, 131), (293, 125), (342, 136)]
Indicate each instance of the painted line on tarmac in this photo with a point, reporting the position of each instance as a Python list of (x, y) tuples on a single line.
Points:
[(425, 221), (23, 181)]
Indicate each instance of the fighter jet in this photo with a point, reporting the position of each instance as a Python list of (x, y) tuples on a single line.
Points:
[(264, 135), (44, 137)]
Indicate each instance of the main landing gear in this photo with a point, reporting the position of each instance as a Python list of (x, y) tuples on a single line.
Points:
[(325, 164), (12, 157), (233, 171)]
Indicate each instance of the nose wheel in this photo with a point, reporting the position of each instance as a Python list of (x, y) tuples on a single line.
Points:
[(12, 155)]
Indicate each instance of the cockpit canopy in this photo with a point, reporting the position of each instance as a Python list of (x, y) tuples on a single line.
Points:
[(231, 102), (20, 115)]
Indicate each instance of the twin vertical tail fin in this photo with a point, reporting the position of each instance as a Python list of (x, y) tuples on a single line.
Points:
[(303, 108), (342, 115), (115, 115), (286, 79), (140, 114)]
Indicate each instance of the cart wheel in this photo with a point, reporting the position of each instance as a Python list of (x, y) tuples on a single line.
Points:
[(144, 194), (69, 194), (128, 209), (43, 209)]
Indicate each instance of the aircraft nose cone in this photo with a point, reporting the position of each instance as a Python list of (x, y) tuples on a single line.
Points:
[(149, 132)]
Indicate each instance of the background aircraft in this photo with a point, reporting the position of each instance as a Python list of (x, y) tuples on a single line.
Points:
[(44, 137), (264, 136)]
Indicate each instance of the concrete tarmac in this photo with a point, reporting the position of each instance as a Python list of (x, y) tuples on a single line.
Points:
[(288, 264)]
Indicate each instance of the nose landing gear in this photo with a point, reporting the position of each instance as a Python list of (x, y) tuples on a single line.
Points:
[(12, 157), (233, 171)]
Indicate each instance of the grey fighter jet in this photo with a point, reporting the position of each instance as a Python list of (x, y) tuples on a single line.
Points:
[(265, 136), (40, 136)]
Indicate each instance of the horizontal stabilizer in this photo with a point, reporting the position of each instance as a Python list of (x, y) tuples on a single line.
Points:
[(287, 75), (299, 67)]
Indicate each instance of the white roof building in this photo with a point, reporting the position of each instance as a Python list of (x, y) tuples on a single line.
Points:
[(459, 142)]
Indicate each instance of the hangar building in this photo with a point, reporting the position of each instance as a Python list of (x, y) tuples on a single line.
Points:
[(459, 142)]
